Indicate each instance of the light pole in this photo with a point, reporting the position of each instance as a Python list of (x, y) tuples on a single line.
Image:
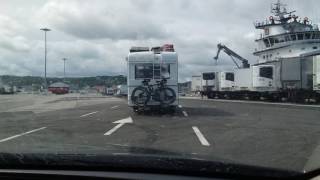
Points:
[(45, 56), (64, 68)]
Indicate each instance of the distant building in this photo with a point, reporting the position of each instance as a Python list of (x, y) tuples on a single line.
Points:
[(101, 89), (185, 87), (59, 88), (196, 83)]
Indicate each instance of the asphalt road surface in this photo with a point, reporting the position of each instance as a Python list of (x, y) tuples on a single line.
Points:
[(264, 134)]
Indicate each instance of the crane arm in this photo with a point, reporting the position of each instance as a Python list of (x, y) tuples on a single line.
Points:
[(233, 55)]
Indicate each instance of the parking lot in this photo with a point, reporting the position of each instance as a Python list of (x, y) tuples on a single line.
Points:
[(256, 133)]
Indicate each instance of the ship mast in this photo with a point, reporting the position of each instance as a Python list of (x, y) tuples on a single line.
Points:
[(280, 11)]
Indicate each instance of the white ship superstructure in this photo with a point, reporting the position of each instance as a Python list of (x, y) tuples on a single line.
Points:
[(285, 35)]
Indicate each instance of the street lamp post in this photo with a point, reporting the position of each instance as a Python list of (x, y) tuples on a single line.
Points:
[(45, 56), (64, 68)]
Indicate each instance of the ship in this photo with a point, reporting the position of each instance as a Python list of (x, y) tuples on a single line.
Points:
[(288, 62)]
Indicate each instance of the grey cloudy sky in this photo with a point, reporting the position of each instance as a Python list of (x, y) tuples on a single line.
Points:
[(96, 35)]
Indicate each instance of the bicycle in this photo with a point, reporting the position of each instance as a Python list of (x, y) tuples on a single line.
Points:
[(141, 95)]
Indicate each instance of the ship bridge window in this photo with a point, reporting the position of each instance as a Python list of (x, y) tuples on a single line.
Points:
[(314, 47), (287, 38), (300, 36), (230, 76), (271, 41), (266, 72), (266, 42), (208, 76), (293, 37), (316, 36), (307, 36)]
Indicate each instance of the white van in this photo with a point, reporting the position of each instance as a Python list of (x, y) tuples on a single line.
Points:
[(153, 66)]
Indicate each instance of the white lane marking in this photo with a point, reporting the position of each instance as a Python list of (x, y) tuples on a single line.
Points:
[(120, 154), (113, 129), (185, 113), (22, 134), (114, 107), (200, 136), (119, 123), (179, 106), (89, 114)]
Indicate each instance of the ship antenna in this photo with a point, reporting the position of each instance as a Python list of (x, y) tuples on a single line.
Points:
[(279, 9)]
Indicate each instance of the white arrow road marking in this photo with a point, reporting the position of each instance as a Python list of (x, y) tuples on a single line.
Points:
[(114, 107), (120, 123), (89, 114), (22, 134), (185, 113), (200, 136)]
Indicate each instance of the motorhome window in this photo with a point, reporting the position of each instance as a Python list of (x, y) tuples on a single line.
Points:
[(230, 76), (143, 71), (266, 72), (307, 36), (165, 71), (208, 76), (300, 36), (150, 71), (293, 37)]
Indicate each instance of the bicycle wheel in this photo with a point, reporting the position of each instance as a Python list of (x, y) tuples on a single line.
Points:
[(140, 96), (166, 95)]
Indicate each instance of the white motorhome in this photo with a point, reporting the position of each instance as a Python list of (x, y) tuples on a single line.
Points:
[(154, 66)]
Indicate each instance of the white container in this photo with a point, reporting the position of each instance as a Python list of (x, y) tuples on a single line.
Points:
[(263, 78), (209, 81), (226, 81), (243, 79)]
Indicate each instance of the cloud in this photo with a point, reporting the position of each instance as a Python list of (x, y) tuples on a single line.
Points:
[(96, 35), (102, 19)]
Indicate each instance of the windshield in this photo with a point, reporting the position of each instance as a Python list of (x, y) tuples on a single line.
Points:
[(229, 81)]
